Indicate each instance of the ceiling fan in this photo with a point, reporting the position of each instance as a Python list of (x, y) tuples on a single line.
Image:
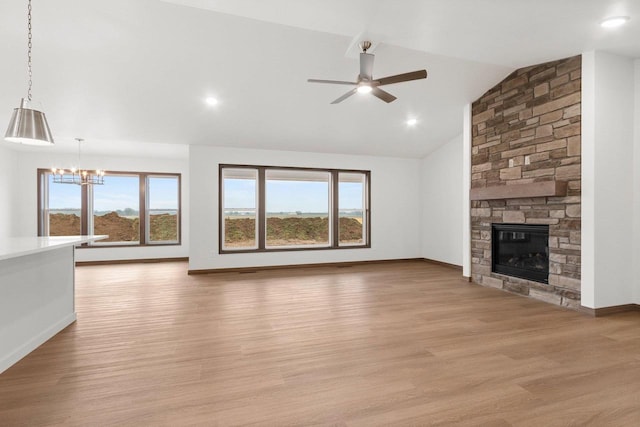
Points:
[(365, 82)]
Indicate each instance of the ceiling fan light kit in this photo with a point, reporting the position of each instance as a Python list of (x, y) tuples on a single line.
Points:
[(365, 83)]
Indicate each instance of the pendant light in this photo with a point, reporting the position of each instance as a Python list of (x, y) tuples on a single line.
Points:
[(28, 125)]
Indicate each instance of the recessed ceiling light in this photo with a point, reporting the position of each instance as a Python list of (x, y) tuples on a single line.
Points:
[(211, 101), (364, 89), (412, 122), (614, 21)]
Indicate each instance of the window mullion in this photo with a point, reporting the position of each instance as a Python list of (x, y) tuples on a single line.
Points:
[(43, 203), (367, 207), (335, 210), (262, 207), (84, 209), (142, 213), (221, 217)]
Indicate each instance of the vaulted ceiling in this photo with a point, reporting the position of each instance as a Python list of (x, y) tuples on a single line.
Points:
[(122, 73)]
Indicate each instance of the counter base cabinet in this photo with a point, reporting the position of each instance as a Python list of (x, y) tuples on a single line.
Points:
[(36, 301)]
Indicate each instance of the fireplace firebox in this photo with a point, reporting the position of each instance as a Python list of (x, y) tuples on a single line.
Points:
[(521, 250)]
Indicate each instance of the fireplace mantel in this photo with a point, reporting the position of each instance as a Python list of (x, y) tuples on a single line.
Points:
[(520, 191)]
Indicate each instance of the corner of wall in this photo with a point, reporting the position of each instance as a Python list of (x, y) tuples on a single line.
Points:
[(587, 268), (466, 186), (442, 213), (636, 181), (8, 193), (609, 206)]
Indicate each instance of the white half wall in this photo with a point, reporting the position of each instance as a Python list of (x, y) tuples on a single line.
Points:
[(607, 180), (25, 181), (395, 207), (441, 205), (8, 209), (36, 301)]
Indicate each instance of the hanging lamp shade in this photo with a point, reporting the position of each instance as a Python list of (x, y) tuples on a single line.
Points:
[(28, 126)]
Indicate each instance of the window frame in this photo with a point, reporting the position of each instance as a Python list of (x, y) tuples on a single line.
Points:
[(43, 201), (89, 218), (329, 201), (365, 202), (86, 208), (334, 207), (147, 219), (222, 225)]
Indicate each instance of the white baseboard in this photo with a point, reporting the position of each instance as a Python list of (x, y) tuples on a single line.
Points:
[(7, 361)]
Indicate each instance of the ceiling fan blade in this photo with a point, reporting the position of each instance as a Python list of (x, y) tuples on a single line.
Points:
[(335, 82), (385, 96), (345, 96), (366, 66), (398, 78)]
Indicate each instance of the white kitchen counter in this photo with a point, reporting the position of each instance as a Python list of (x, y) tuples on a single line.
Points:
[(13, 247), (37, 292)]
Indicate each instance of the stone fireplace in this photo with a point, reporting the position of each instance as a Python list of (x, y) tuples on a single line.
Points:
[(525, 170)]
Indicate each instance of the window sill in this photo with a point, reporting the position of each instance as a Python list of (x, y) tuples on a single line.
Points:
[(124, 245), (291, 249)]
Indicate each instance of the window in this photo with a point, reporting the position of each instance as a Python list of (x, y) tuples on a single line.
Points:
[(351, 208), (116, 209), (63, 209), (297, 208), (163, 194), (240, 200), (282, 208), (132, 208)]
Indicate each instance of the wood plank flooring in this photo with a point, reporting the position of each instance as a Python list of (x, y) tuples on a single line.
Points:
[(393, 344)]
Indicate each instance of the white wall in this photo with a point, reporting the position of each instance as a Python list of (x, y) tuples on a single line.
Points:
[(26, 187), (607, 180), (395, 207), (588, 200), (636, 183), (8, 165), (441, 205), (466, 187)]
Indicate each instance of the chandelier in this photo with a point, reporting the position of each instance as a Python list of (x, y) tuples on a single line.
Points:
[(78, 175), (28, 124)]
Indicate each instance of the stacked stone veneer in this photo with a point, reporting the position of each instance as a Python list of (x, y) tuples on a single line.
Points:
[(527, 129)]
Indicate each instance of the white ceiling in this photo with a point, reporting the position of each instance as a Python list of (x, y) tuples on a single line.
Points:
[(129, 73)]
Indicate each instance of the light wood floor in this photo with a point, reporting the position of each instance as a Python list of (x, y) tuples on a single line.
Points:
[(394, 344)]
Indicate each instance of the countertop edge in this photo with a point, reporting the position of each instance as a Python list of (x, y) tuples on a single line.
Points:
[(14, 247)]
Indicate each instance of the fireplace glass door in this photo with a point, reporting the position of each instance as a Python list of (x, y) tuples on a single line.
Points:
[(521, 250)]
